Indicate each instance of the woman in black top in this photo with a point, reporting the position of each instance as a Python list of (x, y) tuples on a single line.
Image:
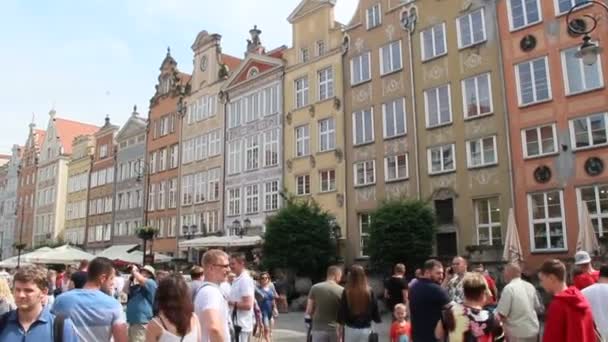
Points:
[(358, 307)]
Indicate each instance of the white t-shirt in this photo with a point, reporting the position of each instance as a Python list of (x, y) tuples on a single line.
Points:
[(597, 295), (243, 286), (519, 304), (210, 297), (225, 288)]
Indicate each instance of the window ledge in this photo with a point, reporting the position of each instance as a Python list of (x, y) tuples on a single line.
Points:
[(396, 136), (326, 151), (360, 186), (549, 251), (353, 85), (439, 173), (328, 192), (484, 166), (585, 91), (364, 144), (541, 156), (480, 116), (472, 45), (396, 180), (430, 59), (586, 148), (440, 125), (512, 30), (388, 73), (531, 104)]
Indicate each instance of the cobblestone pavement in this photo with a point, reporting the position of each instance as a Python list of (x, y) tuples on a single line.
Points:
[(290, 328)]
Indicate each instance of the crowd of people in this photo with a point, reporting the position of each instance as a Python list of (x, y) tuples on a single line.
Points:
[(225, 302)]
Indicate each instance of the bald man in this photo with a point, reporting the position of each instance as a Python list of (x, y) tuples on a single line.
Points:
[(519, 307), (454, 279)]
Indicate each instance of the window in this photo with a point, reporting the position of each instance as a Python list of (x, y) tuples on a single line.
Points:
[(326, 83), (172, 194), (103, 151), (328, 180), (444, 209), (373, 16), (153, 162), (187, 189), (327, 134), (365, 172), (545, 210), (271, 147), (433, 42), (360, 69), (393, 114), (234, 157), (523, 13), (301, 85), (596, 198), (365, 221), (471, 28), (252, 199), (320, 48), (151, 197), (234, 118), (441, 159), (162, 155), (215, 143), (174, 155), (304, 55), (487, 220), (214, 184), (533, 81), (438, 104), (477, 96), (580, 77), (271, 195), (481, 152), (200, 187), (253, 109), (563, 6), (539, 141), (302, 141), (303, 185), (395, 167), (390, 58), (252, 152), (234, 202), (363, 126), (589, 131)]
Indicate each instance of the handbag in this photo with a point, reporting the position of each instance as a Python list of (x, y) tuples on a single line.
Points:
[(373, 336), (237, 328)]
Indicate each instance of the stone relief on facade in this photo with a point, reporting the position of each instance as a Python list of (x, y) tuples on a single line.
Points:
[(443, 181), (472, 61), (364, 152), (397, 190), (359, 44), (363, 94), (440, 135), (392, 85), (483, 177), (395, 146), (390, 32), (364, 194)]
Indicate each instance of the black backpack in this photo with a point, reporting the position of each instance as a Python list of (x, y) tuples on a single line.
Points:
[(58, 324)]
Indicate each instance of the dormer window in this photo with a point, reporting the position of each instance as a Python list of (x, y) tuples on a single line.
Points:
[(304, 55), (103, 151), (165, 85)]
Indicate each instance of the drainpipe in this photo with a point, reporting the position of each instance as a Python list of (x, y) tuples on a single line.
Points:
[(114, 195)]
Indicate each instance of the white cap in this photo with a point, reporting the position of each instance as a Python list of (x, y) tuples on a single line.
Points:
[(581, 258)]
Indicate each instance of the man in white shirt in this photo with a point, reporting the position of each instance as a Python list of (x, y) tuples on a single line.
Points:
[(242, 295), (518, 307), (597, 295), (210, 305)]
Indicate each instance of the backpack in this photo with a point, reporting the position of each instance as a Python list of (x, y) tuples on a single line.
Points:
[(58, 324)]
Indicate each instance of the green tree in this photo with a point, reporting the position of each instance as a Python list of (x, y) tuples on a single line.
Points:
[(401, 231), (299, 238)]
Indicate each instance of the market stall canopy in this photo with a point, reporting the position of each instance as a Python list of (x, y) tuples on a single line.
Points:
[(115, 252), (136, 257), (65, 254), (12, 261), (222, 241)]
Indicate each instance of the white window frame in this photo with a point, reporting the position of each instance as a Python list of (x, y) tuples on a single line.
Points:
[(395, 163), (328, 134), (252, 153), (452, 146), (360, 66), (366, 182), (371, 124), (393, 103), (572, 3), (234, 157), (532, 73), (603, 230), (436, 54), (491, 226), (527, 23), (234, 201), (469, 18), (252, 198), (326, 83), (542, 153), (438, 104), (483, 163), (465, 95), (363, 236), (587, 119), (547, 221), (302, 145), (305, 185), (271, 197), (376, 11), (321, 47), (271, 145), (581, 69), (325, 178), (304, 55), (385, 70), (300, 86)]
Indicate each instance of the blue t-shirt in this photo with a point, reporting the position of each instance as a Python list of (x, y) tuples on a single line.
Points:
[(141, 298), (427, 299), (92, 312), (40, 330)]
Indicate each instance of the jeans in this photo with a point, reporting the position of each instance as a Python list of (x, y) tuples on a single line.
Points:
[(324, 336), (356, 335)]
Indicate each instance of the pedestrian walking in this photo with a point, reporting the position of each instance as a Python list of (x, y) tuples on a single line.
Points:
[(322, 307), (96, 315), (586, 274), (175, 320), (493, 298), (32, 321), (7, 302), (427, 300), (196, 275), (140, 289), (597, 295), (401, 330), (569, 316), (267, 303), (469, 321), (453, 282), (242, 297), (395, 288), (519, 307), (210, 305), (79, 278), (358, 307)]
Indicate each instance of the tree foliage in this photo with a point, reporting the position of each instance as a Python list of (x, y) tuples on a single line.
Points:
[(401, 231), (299, 238)]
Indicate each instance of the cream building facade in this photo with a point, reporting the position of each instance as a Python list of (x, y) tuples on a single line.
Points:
[(79, 169)]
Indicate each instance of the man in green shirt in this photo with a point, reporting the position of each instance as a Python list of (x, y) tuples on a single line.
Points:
[(322, 307)]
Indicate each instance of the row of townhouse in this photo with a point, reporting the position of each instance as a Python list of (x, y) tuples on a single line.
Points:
[(475, 106)]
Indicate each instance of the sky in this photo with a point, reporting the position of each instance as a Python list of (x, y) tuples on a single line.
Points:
[(88, 59)]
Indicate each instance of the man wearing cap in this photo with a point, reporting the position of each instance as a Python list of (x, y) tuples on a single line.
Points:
[(141, 290), (587, 275)]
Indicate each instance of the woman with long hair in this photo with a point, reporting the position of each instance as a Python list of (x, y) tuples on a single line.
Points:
[(358, 307), (267, 303), (175, 320), (7, 302)]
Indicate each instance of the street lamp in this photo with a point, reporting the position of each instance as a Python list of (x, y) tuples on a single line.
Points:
[(236, 228), (188, 232), (589, 50)]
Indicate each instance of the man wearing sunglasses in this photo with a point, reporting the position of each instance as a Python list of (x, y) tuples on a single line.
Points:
[(209, 304)]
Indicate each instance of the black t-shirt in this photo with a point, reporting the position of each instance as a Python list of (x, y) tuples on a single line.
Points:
[(79, 278), (395, 286), (427, 299)]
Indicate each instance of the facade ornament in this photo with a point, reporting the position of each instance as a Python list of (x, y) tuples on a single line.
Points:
[(313, 161), (340, 200), (345, 44), (359, 44), (339, 155), (289, 164), (254, 45), (311, 111), (288, 118), (337, 103)]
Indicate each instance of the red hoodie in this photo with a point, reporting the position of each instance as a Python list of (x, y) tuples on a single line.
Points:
[(569, 318)]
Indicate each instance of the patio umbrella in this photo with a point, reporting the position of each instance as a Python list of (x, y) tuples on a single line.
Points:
[(25, 257), (513, 252), (65, 254), (587, 240)]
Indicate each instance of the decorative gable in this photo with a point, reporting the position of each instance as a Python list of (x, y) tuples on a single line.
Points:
[(253, 66), (307, 6), (134, 126)]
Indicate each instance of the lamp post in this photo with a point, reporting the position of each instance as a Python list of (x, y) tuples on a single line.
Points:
[(20, 246), (589, 50), (188, 232)]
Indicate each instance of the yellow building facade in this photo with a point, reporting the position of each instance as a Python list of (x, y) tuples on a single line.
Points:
[(313, 103)]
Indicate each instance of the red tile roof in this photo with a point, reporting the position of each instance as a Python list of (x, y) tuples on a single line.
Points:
[(67, 130), (231, 61)]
